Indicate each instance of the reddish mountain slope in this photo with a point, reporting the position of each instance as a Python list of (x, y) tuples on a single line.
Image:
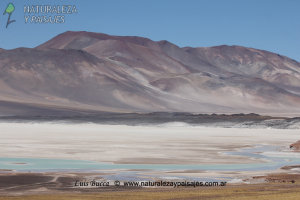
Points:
[(96, 71)]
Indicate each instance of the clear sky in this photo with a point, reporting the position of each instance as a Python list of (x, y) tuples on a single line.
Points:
[(272, 25)]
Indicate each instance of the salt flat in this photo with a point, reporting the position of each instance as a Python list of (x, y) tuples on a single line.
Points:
[(165, 144)]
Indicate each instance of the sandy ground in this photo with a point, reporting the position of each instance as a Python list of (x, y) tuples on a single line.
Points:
[(61, 186), (170, 144)]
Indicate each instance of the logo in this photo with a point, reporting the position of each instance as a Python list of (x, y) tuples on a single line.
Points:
[(48, 14), (9, 10)]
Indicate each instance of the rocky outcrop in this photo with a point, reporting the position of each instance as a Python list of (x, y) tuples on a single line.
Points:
[(295, 146)]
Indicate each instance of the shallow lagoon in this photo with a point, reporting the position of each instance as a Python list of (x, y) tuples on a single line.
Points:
[(268, 162)]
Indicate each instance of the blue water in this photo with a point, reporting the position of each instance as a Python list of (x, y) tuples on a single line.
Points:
[(37, 164)]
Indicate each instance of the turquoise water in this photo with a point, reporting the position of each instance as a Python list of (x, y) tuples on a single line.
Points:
[(37, 164)]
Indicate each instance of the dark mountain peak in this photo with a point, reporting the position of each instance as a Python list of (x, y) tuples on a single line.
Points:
[(73, 40), (83, 34), (165, 43), (83, 39)]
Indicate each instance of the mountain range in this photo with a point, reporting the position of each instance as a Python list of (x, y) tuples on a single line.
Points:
[(82, 72)]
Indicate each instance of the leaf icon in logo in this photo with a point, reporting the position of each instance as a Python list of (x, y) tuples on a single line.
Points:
[(10, 9)]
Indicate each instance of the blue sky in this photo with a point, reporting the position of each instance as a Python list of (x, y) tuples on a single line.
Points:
[(272, 25)]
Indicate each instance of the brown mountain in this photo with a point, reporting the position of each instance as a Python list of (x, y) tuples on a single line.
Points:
[(87, 72)]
